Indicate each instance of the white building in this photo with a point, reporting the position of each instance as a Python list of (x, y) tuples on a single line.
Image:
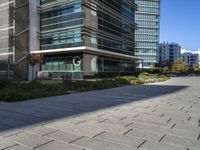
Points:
[(191, 57), (192, 51), (168, 53)]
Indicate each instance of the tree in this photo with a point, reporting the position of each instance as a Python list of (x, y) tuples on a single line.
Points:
[(165, 70), (180, 66), (34, 59), (196, 67)]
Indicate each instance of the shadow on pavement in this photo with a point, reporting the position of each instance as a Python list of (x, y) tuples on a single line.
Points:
[(20, 114)]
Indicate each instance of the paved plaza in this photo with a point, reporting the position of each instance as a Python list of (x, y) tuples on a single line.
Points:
[(160, 116)]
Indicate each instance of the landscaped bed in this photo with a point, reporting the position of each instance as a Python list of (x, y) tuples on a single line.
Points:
[(151, 78), (17, 91)]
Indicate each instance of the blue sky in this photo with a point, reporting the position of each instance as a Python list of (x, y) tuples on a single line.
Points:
[(180, 22)]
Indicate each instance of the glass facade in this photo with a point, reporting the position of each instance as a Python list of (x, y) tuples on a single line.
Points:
[(60, 66), (58, 25), (115, 66), (61, 63), (99, 24), (61, 39), (147, 35), (115, 26), (113, 31)]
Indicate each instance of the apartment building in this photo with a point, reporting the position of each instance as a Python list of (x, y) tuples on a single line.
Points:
[(190, 59), (168, 53)]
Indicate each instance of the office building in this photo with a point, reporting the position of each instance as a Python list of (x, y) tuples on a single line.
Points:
[(78, 38), (168, 53), (147, 33)]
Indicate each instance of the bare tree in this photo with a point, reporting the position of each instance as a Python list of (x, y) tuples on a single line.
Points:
[(34, 59)]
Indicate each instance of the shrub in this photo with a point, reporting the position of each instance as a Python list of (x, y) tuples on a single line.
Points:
[(136, 82), (125, 80), (163, 76), (166, 70), (12, 95), (30, 90), (35, 84), (36, 89), (90, 85), (108, 83), (4, 84), (149, 78), (121, 81), (68, 84)]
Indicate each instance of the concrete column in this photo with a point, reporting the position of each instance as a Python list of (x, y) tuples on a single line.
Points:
[(90, 66), (34, 29)]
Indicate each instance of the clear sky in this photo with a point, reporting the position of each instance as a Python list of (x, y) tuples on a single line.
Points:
[(180, 22)]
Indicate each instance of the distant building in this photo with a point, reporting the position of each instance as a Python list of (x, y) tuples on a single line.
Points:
[(168, 53), (147, 18), (190, 58), (193, 52)]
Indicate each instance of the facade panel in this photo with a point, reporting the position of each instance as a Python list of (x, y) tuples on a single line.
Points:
[(6, 39)]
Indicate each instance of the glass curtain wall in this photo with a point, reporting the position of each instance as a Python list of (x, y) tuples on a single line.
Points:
[(101, 24), (147, 35), (58, 25), (115, 26)]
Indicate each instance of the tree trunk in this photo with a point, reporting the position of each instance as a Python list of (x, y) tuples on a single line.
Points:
[(32, 73)]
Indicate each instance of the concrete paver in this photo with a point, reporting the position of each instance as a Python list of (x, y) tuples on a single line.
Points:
[(41, 130), (149, 135), (17, 147), (187, 143), (5, 143), (100, 144), (151, 145), (63, 136), (57, 146), (28, 139), (121, 139)]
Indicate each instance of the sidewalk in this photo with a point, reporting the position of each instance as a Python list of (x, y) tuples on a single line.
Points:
[(161, 116)]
